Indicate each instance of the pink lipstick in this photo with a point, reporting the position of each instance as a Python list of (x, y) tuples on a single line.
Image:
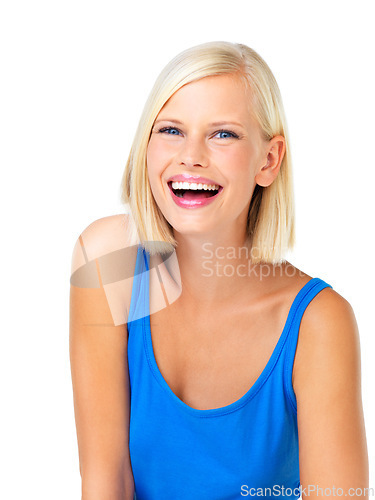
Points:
[(193, 198)]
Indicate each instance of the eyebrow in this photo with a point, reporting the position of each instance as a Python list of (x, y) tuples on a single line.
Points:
[(213, 124)]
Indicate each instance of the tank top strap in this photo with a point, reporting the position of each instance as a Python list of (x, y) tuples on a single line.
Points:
[(309, 291), (139, 301)]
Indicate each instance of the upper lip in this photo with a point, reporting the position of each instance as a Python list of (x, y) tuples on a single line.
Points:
[(192, 178)]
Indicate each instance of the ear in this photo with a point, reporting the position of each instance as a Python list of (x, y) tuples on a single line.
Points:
[(275, 151)]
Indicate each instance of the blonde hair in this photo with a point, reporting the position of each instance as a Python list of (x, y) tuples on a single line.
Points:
[(271, 219)]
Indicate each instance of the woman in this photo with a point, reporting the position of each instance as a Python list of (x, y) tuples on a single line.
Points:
[(206, 405)]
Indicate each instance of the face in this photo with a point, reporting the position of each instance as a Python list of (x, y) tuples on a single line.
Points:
[(230, 154)]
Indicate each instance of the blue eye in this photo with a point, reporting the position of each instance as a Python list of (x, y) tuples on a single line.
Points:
[(168, 129), (232, 134)]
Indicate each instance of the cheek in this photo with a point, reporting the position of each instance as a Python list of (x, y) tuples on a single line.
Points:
[(153, 160), (151, 154), (239, 165), (240, 173), (156, 162), (157, 152)]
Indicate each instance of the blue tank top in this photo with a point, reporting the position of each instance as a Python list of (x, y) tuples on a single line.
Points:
[(244, 449)]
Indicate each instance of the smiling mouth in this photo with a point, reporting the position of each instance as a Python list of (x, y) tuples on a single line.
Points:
[(194, 194)]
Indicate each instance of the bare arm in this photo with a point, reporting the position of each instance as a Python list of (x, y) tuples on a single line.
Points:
[(327, 383), (101, 392)]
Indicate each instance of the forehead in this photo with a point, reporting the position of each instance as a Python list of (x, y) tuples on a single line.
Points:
[(221, 96)]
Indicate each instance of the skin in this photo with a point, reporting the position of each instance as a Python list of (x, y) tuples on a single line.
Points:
[(327, 370)]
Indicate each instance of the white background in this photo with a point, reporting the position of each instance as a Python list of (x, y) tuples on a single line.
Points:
[(74, 79)]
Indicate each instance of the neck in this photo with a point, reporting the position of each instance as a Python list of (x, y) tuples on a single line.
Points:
[(214, 268)]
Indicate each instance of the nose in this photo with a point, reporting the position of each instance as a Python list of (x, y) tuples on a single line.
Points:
[(193, 153)]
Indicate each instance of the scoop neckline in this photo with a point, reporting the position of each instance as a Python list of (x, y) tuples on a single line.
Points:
[(243, 400)]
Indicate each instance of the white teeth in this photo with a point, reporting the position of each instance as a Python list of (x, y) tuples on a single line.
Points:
[(194, 185)]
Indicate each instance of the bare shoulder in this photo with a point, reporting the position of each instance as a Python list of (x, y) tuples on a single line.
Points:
[(102, 237), (328, 334), (329, 318), (103, 262), (328, 339)]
